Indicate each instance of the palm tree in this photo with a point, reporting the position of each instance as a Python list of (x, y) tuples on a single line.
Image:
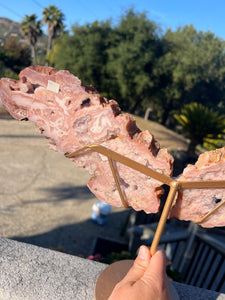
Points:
[(31, 28), (53, 17), (203, 126)]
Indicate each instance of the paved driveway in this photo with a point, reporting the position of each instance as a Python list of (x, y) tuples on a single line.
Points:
[(43, 196)]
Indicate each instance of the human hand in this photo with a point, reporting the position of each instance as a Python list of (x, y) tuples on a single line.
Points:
[(146, 279)]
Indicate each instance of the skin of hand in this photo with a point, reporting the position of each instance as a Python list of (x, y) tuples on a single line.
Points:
[(145, 280)]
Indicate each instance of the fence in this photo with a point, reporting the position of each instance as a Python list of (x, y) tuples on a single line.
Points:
[(198, 258)]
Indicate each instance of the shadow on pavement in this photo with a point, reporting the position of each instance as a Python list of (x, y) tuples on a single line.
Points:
[(63, 192), (80, 238)]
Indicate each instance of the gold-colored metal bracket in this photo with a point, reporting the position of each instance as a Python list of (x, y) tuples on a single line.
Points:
[(210, 213), (112, 166), (205, 185), (126, 161), (114, 156), (174, 185)]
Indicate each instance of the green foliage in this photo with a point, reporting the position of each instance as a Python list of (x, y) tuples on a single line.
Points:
[(19, 55), (124, 255), (53, 17), (192, 69), (117, 60), (9, 74), (115, 256), (14, 56), (132, 58), (84, 53), (132, 62), (31, 28), (203, 126)]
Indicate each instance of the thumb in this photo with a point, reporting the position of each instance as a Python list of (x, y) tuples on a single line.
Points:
[(157, 266), (155, 274), (140, 265)]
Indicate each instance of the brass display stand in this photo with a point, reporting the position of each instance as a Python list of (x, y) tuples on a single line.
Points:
[(115, 272)]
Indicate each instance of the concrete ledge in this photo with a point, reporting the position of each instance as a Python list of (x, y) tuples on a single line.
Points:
[(30, 272)]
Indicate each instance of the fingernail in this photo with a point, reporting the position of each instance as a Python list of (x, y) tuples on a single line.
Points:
[(142, 254)]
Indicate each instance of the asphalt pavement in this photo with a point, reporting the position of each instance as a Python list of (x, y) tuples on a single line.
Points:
[(44, 199)]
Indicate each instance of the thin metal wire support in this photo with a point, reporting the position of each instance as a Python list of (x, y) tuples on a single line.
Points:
[(174, 185)]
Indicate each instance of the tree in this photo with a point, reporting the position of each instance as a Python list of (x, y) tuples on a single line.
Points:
[(84, 53), (14, 56), (53, 17), (192, 69), (132, 58), (31, 28), (203, 126), (18, 54), (117, 60)]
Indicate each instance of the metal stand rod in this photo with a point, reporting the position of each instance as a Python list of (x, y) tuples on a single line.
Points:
[(124, 202), (174, 186)]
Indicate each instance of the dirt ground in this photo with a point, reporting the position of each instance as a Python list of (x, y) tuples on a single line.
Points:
[(166, 137)]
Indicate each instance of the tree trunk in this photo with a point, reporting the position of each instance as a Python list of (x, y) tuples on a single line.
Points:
[(192, 147), (166, 113), (135, 106), (167, 108), (50, 37), (33, 53), (165, 116), (49, 44)]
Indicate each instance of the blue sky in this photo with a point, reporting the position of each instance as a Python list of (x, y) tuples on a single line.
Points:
[(204, 15)]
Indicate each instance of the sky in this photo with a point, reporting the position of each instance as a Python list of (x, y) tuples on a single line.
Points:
[(203, 14)]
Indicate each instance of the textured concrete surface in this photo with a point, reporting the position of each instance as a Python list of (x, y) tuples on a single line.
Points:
[(43, 196), (30, 272)]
